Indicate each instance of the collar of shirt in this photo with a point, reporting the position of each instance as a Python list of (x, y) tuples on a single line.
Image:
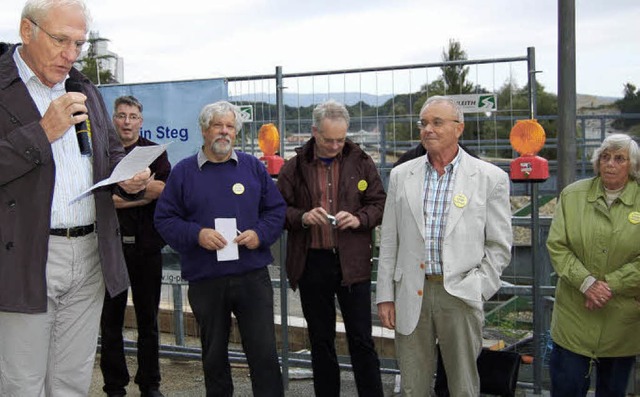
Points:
[(29, 77), (202, 158), (449, 167)]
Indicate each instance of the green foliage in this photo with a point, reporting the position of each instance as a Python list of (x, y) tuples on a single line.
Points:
[(455, 76), (630, 103)]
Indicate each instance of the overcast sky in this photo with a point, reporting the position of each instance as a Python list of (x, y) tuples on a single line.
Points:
[(193, 39)]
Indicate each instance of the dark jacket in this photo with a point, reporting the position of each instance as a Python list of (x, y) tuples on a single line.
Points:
[(138, 221), (27, 174), (354, 245)]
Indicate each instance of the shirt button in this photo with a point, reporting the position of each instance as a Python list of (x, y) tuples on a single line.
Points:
[(422, 266), (419, 292)]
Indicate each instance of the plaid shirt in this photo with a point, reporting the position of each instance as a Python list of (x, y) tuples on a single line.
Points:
[(436, 199), (324, 191)]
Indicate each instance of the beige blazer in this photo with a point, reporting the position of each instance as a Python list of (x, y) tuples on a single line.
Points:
[(477, 242)]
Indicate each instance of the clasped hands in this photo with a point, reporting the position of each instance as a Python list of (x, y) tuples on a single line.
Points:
[(318, 216), (212, 240), (597, 295)]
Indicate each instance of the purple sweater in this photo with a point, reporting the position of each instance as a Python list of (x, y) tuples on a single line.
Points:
[(193, 198)]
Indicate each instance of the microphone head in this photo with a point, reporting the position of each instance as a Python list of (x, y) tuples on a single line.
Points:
[(73, 86)]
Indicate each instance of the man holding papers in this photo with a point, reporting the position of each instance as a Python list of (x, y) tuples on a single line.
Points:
[(142, 247), (207, 198), (56, 257)]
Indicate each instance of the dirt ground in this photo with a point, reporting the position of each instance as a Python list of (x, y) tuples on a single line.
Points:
[(184, 378)]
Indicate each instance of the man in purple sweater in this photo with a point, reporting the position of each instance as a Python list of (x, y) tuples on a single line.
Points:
[(219, 184)]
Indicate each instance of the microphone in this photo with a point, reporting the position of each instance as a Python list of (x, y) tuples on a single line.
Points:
[(83, 129)]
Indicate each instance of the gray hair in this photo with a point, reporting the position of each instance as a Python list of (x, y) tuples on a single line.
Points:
[(219, 109), (37, 10), (330, 110), (615, 142), (445, 99), (129, 100)]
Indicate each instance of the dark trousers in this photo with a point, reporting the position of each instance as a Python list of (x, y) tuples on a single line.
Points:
[(320, 283), (570, 374), (249, 297), (145, 273)]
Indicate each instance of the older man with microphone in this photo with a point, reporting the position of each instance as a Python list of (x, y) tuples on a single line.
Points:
[(57, 254)]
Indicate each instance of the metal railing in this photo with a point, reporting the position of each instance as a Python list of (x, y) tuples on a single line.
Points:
[(272, 108)]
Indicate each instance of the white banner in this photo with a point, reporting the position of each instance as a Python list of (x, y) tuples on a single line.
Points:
[(476, 103)]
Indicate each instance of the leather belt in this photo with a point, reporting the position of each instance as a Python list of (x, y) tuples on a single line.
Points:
[(438, 278), (77, 231)]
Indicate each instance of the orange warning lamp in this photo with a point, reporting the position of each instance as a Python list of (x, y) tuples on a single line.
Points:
[(527, 138), (269, 142)]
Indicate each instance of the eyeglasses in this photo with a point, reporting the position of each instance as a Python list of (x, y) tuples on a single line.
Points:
[(435, 123), (339, 141), (618, 158), (63, 42), (220, 126), (132, 117)]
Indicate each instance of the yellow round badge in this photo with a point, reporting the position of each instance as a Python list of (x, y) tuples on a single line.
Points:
[(362, 185), (460, 200), (238, 188), (634, 217)]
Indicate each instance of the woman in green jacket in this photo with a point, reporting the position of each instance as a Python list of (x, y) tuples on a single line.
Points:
[(594, 247)]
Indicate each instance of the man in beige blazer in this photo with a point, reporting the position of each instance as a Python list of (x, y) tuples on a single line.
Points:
[(446, 237)]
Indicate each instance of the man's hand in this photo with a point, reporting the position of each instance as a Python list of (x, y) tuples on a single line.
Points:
[(138, 183), (154, 188), (121, 203), (249, 239), (347, 220), (60, 114), (597, 295), (387, 314), (211, 239), (316, 216)]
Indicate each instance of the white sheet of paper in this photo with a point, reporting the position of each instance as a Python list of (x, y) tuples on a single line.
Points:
[(137, 160), (227, 227)]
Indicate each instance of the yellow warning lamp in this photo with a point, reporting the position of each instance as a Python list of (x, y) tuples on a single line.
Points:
[(269, 142), (527, 138)]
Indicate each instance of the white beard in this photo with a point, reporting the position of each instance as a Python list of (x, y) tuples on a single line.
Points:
[(221, 146)]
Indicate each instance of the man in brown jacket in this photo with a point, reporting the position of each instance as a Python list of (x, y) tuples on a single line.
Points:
[(56, 255), (334, 198)]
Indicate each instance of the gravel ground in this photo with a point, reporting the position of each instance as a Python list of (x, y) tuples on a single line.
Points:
[(184, 378)]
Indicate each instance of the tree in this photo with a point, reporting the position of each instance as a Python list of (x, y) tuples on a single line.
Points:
[(453, 80), (455, 76), (91, 62), (630, 103)]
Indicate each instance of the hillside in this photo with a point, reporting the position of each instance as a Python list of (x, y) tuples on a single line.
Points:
[(593, 101), (351, 98)]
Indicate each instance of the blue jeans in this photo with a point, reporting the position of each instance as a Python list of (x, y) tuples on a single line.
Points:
[(250, 297), (571, 374), (321, 282)]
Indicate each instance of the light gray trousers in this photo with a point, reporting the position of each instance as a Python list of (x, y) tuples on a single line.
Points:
[(52, 354)]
